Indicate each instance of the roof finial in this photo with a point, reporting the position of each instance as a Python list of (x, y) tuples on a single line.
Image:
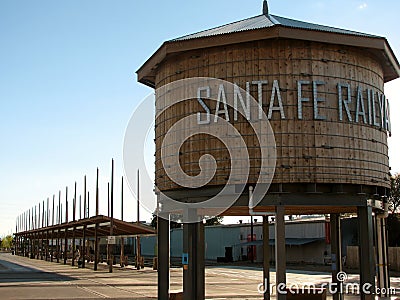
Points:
[(265, 8)]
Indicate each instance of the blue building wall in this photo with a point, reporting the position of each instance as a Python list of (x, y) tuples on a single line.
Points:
[(216, 239)]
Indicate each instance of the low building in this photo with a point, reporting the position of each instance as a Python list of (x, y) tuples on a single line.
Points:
[(306, 242)]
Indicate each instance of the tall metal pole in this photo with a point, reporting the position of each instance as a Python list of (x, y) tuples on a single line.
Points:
[(138, 197), (84, 226), (108, 199), (122, 198), (48, 213), (111, 247), (47, 232), (41, 234), (23, 237), (80, 207), (88, 205), (73, 229), (65, 229), (121, 258), (59, 222), (30, 239), (96, 239), (16, 235), (37, 227), (52, 232), (80, 218), (33, 249), (138, 254)]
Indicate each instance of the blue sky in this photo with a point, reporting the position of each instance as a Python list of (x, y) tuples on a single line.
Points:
[(68, 85)]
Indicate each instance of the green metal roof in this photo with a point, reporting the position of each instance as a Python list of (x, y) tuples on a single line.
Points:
[(267, 21)]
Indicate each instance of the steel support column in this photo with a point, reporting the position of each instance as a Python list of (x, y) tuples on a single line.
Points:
[(336, 254), (47, 246), (193, 272), (65, 230), (96, 248), (52, 246), (111, 247), (122, 254), (280, 252), (73, 247), (65, 246), (266, 258), (83, 250), (96, 239), (366, 252), (58, 247), (163, 258), (383, 281)]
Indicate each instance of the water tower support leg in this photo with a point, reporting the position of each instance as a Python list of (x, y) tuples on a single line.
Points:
[(266, 257), (366, 252), (163, 258), (194, 271), (382, 259), (336, 254), (280, 251)]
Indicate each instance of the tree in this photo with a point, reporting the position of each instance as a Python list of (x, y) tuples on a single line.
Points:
[(394, 198), (176, 221), (393, 225), (7, 242), (214, 221)]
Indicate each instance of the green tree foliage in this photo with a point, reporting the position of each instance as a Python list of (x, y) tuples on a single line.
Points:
[(393, 230), (394, 205), (7, 242), (214, 221), (176, 221), (394, 198)]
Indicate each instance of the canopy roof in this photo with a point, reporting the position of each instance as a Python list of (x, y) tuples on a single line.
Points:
[(120, 228)]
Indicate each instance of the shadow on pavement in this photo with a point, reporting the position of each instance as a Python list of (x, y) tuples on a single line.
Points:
[(12, 272)]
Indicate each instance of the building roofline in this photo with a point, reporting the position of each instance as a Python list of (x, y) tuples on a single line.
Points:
[(377, 45)]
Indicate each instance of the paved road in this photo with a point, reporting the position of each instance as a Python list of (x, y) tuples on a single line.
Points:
[(23, 278)]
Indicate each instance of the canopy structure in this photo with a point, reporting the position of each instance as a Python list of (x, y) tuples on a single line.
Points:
[(75, 228), (59, 241)]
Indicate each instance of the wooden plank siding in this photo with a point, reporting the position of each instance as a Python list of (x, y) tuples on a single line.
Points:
[(308, 150)]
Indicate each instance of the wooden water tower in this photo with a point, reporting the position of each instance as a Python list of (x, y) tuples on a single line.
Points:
[(322, 89)]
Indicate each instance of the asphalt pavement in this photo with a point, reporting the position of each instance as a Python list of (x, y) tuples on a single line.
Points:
[(24, 278)]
